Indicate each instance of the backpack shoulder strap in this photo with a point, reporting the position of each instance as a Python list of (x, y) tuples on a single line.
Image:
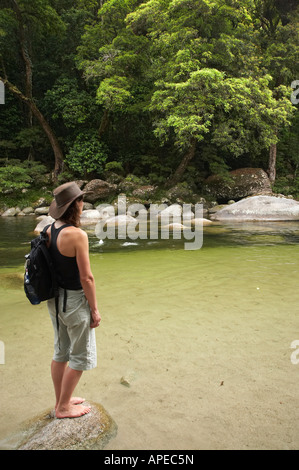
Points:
[(45, 228), (46, 253)]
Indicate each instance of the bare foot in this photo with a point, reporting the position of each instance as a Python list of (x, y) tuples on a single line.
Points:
[(74, 401), (77, 400), (72, 411)]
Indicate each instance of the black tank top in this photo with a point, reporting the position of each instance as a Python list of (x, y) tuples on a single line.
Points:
[(66, 267)]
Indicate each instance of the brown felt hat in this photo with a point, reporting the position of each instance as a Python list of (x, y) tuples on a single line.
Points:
[(64, 195)]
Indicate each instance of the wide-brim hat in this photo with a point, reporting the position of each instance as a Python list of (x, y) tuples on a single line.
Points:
[(64, 195)]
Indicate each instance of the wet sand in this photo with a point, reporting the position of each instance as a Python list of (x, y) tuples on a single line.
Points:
[(193, 350)]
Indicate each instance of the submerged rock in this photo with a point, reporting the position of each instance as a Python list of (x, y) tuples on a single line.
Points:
[(269, 208), (120, 220), (201, 222), (89, 432), (12, 280)]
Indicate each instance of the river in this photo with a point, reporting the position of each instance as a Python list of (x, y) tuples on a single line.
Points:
[(194, 347)]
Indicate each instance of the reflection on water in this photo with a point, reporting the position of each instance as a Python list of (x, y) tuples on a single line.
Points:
[(16, 233)]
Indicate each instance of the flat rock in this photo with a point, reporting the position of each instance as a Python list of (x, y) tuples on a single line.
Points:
[(197, 222), (89, 432), (269, 208)]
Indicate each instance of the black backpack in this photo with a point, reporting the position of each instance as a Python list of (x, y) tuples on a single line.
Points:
[(39, 279)]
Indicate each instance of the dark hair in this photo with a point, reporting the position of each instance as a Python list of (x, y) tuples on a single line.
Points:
[(72, 214)]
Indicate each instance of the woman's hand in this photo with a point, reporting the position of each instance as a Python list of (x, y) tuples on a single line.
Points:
[(95, 318)]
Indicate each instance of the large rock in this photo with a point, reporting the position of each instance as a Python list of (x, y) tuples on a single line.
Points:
[(89, 217), (99, 190), (145, 192), (89, 432), (238, 184), (43, 221), (269, 208), (120, 221), (42, 210), (180, 192), (11, 212)]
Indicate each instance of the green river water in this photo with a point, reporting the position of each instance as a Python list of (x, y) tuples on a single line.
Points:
[(202, 338)]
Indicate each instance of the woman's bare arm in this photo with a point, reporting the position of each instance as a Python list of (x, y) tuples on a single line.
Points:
[(86, 276)]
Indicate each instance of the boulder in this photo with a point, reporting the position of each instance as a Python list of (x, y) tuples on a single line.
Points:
[(11, 212), (89, 432), (238, 184), (105, 211), (87, 206), (89, 217), (120, 220), (42, 210), (180, 192), (174, 227), (145, 192), (28, 210), (266, 208), (43, 221), (197, 222), (99, 190), (174, 211)]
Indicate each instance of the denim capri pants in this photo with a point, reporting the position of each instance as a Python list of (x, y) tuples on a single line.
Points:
[(74, 340)]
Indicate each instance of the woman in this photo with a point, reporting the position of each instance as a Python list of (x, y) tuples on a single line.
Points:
[(75, 347)]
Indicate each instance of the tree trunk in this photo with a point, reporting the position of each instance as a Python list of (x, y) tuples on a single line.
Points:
[(26, 57), (58, 154), (104, 123), (178, 174), (272, 163), (24, 49)]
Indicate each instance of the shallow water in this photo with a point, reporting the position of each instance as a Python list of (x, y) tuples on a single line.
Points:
[(203, 338)]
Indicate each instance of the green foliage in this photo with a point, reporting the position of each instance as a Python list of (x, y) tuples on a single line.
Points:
[(115, 167), (113, 93), (287, 185), (13, 178), (16, 175), (87, 155), (69, 104), (140, 82)]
